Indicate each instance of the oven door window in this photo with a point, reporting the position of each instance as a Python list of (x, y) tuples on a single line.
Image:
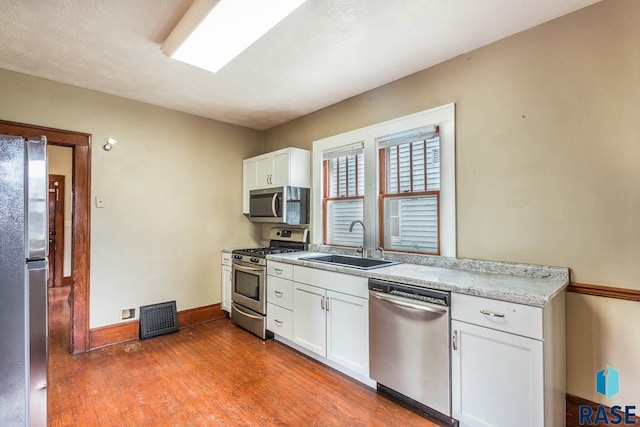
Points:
[(247, 284)]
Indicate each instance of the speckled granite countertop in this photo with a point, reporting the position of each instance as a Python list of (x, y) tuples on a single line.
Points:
[(520, 283)]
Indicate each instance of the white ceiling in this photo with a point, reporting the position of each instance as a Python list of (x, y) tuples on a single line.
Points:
[(324, 52)]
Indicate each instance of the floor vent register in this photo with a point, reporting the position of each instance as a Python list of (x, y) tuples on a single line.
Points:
[(158, 319)]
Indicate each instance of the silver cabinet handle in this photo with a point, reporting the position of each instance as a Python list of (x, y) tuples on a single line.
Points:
[(322, 303), (455, 340), (278, 271), (278, 293), (491, 313), (278, 322), (326, 304)]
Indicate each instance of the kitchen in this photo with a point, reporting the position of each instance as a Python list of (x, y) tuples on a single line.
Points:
[(536, 182)]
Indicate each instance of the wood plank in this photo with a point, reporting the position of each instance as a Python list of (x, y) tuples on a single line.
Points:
[(127, 331), (81, 247), (195, 316), (604, 291), (113, 334), (214, 373)]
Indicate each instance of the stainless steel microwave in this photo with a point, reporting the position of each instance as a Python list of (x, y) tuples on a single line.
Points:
[(282, 205)]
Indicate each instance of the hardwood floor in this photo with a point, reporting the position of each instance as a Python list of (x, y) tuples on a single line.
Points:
[(210, 374)]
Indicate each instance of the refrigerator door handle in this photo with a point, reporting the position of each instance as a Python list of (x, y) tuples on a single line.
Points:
[(37, 198)]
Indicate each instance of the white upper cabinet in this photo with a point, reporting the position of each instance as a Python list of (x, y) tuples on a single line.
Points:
[(289, 166)]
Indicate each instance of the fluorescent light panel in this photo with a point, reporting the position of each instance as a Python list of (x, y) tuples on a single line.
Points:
[(229, 28)]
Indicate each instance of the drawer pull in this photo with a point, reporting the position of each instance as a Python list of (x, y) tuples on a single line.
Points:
[(278, 293), (278, 271), (491, 313), (278, 322)]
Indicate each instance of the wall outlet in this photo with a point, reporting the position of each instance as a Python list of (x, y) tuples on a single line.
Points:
[(128, 313)]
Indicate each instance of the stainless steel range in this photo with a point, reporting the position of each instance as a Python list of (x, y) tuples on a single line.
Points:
[(249, 293)]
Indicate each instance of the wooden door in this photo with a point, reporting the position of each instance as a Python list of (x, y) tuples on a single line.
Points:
[(56, 230)]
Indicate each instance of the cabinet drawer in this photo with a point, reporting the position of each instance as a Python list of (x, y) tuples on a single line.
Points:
[(280, 292), (226, 259), (504, 316), (280, 269), (280, 321), (332, 281)]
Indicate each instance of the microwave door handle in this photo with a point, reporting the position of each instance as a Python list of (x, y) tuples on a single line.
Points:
[(274, 202)]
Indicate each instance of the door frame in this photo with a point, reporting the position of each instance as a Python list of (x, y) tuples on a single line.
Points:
[(58, 259), (81, 220)]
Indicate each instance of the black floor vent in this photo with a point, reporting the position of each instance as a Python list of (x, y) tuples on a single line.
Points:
[(158, 319)]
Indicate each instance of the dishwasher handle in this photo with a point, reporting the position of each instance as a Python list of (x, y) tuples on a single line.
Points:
[(407, 303)]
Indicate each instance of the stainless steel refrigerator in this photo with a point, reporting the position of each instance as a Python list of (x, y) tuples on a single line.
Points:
[(23, 281)]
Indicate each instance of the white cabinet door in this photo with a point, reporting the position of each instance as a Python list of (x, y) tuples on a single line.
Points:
[(309, 318), (248, 182), (226, 288), (280, 169), (264, 171), (348, 331), (497, 378)]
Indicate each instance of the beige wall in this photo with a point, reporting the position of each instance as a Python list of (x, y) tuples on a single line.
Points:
[(548, 164), (172, 187), (60, 162)]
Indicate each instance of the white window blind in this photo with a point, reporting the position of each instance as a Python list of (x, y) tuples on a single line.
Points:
[(345, 174)]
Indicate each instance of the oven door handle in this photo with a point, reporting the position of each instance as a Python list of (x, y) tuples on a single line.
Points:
[(247, 269), (245, 313)]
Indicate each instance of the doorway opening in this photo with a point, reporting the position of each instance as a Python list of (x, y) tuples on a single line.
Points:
[(80, 143), (58, 243)]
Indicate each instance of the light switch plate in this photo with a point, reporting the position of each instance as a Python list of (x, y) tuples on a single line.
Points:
[(100, 202)]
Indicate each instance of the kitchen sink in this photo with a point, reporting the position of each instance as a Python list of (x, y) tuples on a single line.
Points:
[(350, 261)]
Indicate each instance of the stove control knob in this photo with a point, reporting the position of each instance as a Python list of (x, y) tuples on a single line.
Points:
[(256, 260)]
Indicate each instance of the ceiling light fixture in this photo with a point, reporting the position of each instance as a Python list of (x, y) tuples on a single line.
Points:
[(213, 32)]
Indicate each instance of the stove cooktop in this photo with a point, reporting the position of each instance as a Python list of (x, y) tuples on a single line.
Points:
[(262, 252)]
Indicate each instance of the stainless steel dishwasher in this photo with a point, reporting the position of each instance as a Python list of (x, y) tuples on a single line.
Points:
[(409, 344)]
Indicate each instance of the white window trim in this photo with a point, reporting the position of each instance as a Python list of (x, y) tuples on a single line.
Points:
[(443, 116)]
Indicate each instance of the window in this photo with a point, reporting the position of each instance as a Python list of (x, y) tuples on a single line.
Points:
[(343, 195), (409, 191), (399, 180)]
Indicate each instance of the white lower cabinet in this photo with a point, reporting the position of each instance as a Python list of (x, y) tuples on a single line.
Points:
[(348, 331), (309, 318), (333, 325), (226, 282), (497, 378), (507, 363)]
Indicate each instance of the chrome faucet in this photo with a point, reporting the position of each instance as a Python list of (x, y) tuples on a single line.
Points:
[(363, 248)]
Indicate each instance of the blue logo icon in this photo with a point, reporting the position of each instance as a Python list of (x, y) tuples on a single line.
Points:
[(608, 384)]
